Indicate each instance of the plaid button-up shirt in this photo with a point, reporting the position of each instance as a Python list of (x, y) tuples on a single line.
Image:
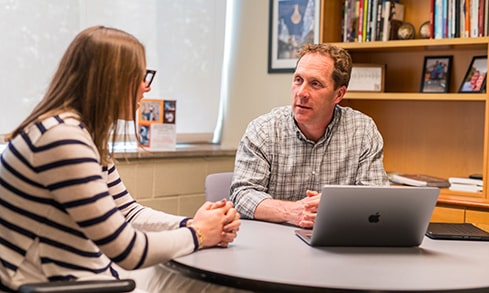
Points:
[(275, 160)]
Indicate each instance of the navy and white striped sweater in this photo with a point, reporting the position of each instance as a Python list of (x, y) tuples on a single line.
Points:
[(64, 216)]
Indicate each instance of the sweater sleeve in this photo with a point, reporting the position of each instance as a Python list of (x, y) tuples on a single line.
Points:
[(141, 217), (96, 200)]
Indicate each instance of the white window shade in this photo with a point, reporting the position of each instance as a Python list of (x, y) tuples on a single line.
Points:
[(184, 42)]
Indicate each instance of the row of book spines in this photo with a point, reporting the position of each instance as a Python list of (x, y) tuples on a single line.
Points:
[(364, 20), (448, 19), (459, 18)]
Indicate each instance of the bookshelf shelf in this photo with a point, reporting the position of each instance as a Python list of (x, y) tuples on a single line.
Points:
[(439, 134), (416, 96), (418, 44)]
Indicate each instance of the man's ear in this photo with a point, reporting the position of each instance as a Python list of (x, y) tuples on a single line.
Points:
[(340, 94)]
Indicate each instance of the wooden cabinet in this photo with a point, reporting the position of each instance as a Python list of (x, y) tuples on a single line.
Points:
[(440, 134), (448, 215)]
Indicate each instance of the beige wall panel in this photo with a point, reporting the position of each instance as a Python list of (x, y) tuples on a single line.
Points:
[(179, 176), (190, 204), (168, 205)]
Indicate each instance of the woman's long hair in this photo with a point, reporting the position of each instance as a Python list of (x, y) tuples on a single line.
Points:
[(98, 78)]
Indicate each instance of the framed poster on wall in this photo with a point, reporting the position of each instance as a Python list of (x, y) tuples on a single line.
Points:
[(292, 24)]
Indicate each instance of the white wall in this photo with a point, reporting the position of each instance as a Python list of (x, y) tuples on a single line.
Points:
[(252, 90)]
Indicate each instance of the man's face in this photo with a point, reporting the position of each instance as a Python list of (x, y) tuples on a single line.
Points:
[(313, 93)]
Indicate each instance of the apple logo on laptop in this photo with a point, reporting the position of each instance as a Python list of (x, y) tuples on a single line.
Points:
[(375, 218)]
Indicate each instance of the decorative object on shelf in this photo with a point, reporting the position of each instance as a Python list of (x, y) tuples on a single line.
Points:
[(475, 78), (436, 74), (418, 180), (367, 78), (424, 30), (406, 31), (397, 19), (292, 24)]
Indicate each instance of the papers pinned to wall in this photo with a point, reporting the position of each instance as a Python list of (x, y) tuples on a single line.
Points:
[(156, 124)]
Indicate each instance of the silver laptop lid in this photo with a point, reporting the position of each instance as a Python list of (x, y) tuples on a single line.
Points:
[(373, 215)]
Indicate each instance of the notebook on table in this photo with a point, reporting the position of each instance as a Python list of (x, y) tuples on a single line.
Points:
[(371, 216), (456, 231)]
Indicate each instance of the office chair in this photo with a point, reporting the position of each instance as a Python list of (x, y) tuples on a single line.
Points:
[(217, 186), (92, 286)]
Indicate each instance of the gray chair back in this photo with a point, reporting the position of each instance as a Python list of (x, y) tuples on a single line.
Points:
[(218, 186)]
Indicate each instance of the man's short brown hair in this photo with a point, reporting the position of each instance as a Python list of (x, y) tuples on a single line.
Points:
[(341, 59)]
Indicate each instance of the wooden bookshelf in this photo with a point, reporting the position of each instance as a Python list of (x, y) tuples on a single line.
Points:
[(442, 134)]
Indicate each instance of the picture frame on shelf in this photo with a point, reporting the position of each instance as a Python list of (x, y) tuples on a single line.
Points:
[(292, 23), (475, 77), (367, 78), (436, 74)]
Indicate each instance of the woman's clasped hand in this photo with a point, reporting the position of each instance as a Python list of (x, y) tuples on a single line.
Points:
[(205, 219)]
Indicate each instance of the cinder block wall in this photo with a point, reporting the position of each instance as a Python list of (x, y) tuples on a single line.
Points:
[(172, 185)]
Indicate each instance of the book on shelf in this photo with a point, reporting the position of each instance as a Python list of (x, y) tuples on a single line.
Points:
[(418, 180), (350, 21), (386, 20), (465, 187), (438, 19), (453, 19), (379, 25), (467, 19), (486, 16), (481, 13), (466, 181), (465, 184), (474, 18), (360, 22)]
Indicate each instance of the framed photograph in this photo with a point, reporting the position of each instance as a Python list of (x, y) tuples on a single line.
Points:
[(475, 78), (367, 78), (150, 111), (170, 111), (436, 74), (292, 24)]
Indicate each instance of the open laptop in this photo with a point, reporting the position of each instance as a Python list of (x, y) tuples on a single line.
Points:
[(456, 231), (371, 216)]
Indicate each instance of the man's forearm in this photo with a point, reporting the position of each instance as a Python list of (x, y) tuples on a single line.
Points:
[(279, 211)]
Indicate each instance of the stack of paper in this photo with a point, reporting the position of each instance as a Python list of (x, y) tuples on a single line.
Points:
[(465, 184)]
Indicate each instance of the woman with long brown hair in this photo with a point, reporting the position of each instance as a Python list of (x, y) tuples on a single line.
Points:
[(64, 212)]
